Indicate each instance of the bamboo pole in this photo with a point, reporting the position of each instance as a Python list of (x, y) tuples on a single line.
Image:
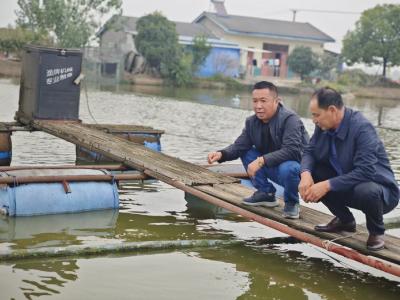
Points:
[(305, 237), (10, 180), (70, 178), (110, 167), (91, 167), (82, 178), (75, 250)]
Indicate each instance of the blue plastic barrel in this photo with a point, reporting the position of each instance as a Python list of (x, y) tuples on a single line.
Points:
[(5, 148), (51, 198)]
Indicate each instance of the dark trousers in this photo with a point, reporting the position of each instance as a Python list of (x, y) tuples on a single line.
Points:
[(366, 196)]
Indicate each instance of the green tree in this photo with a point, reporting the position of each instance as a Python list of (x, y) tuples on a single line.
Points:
[(200, 51), (376, 38), (70, 22), (157, 41), (180, 71), (327, 65), (12, 40), (302, 61)]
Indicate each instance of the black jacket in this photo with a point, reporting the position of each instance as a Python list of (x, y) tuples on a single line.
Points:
[(288, 136), (360, 152)]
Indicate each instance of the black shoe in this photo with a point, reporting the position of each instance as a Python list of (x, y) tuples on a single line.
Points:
[(375, 242), (261, 198), (335, 225)]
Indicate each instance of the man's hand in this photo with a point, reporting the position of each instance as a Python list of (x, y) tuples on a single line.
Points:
[(305, 183), (214, 156), (317, 191), (254, 166)]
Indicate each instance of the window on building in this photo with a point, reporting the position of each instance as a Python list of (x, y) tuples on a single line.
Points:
[(109, 69)]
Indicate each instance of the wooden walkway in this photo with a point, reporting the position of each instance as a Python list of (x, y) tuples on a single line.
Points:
[(168, 168), (13, 126)]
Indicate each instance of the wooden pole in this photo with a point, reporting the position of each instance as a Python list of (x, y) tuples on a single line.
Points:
[(305, 237), (75, 250)]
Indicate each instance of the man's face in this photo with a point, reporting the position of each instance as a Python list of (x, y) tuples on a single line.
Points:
[(265, 104), (323, 118)]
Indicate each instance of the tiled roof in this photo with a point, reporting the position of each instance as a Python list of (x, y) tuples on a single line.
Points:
[(183, 29), (243, 25)]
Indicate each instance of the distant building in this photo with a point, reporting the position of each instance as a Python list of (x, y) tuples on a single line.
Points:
[(241, 45), (266, 44), (117, 52)]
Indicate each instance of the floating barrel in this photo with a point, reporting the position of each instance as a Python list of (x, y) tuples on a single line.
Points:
[(30, 199), (5, 148), (143, 135)]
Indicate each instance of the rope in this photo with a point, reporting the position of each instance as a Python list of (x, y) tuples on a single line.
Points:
[(15, 180), (87, 102), (346, 265), (13, 210), (328, 243)]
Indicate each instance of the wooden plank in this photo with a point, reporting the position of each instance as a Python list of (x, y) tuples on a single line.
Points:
[(132, 154), (13, 126), (234, 193), (179, 166), (121, 128)]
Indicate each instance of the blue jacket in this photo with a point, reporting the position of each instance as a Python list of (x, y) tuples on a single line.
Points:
[(360, 152), (288, 136)]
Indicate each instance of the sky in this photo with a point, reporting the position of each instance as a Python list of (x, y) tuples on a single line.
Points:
[(334, 24)]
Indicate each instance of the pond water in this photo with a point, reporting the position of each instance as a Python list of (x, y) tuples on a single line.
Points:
[(267, 265)]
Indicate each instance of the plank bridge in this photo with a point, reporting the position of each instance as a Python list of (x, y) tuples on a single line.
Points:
[(224, 191)]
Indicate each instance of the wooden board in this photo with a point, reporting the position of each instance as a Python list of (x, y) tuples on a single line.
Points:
[(117, 128), (132, 154), (13, 126)]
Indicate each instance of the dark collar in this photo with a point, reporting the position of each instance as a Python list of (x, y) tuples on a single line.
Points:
[(344, 125)]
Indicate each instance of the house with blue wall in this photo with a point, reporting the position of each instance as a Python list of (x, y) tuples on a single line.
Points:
[(224, 57), (118, 54)]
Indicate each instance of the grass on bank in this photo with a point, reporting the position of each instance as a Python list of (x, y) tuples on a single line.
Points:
[(360, 84)]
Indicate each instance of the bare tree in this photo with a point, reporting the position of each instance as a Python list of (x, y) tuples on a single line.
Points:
[(224, 63)]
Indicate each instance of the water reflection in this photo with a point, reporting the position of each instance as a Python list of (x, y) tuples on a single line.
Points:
[(290, 275), (173, 275), (29, 228), (225, 273), (94, 228), (50, 277)]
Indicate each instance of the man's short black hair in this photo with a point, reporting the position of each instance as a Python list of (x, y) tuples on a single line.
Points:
[(327, 96), (266, 85)]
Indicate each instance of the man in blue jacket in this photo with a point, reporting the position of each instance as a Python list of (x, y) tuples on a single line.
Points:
[(346, 165), (270, 146)]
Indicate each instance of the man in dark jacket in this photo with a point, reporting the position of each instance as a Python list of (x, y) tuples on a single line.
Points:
[(346, 165), (270, 146)]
